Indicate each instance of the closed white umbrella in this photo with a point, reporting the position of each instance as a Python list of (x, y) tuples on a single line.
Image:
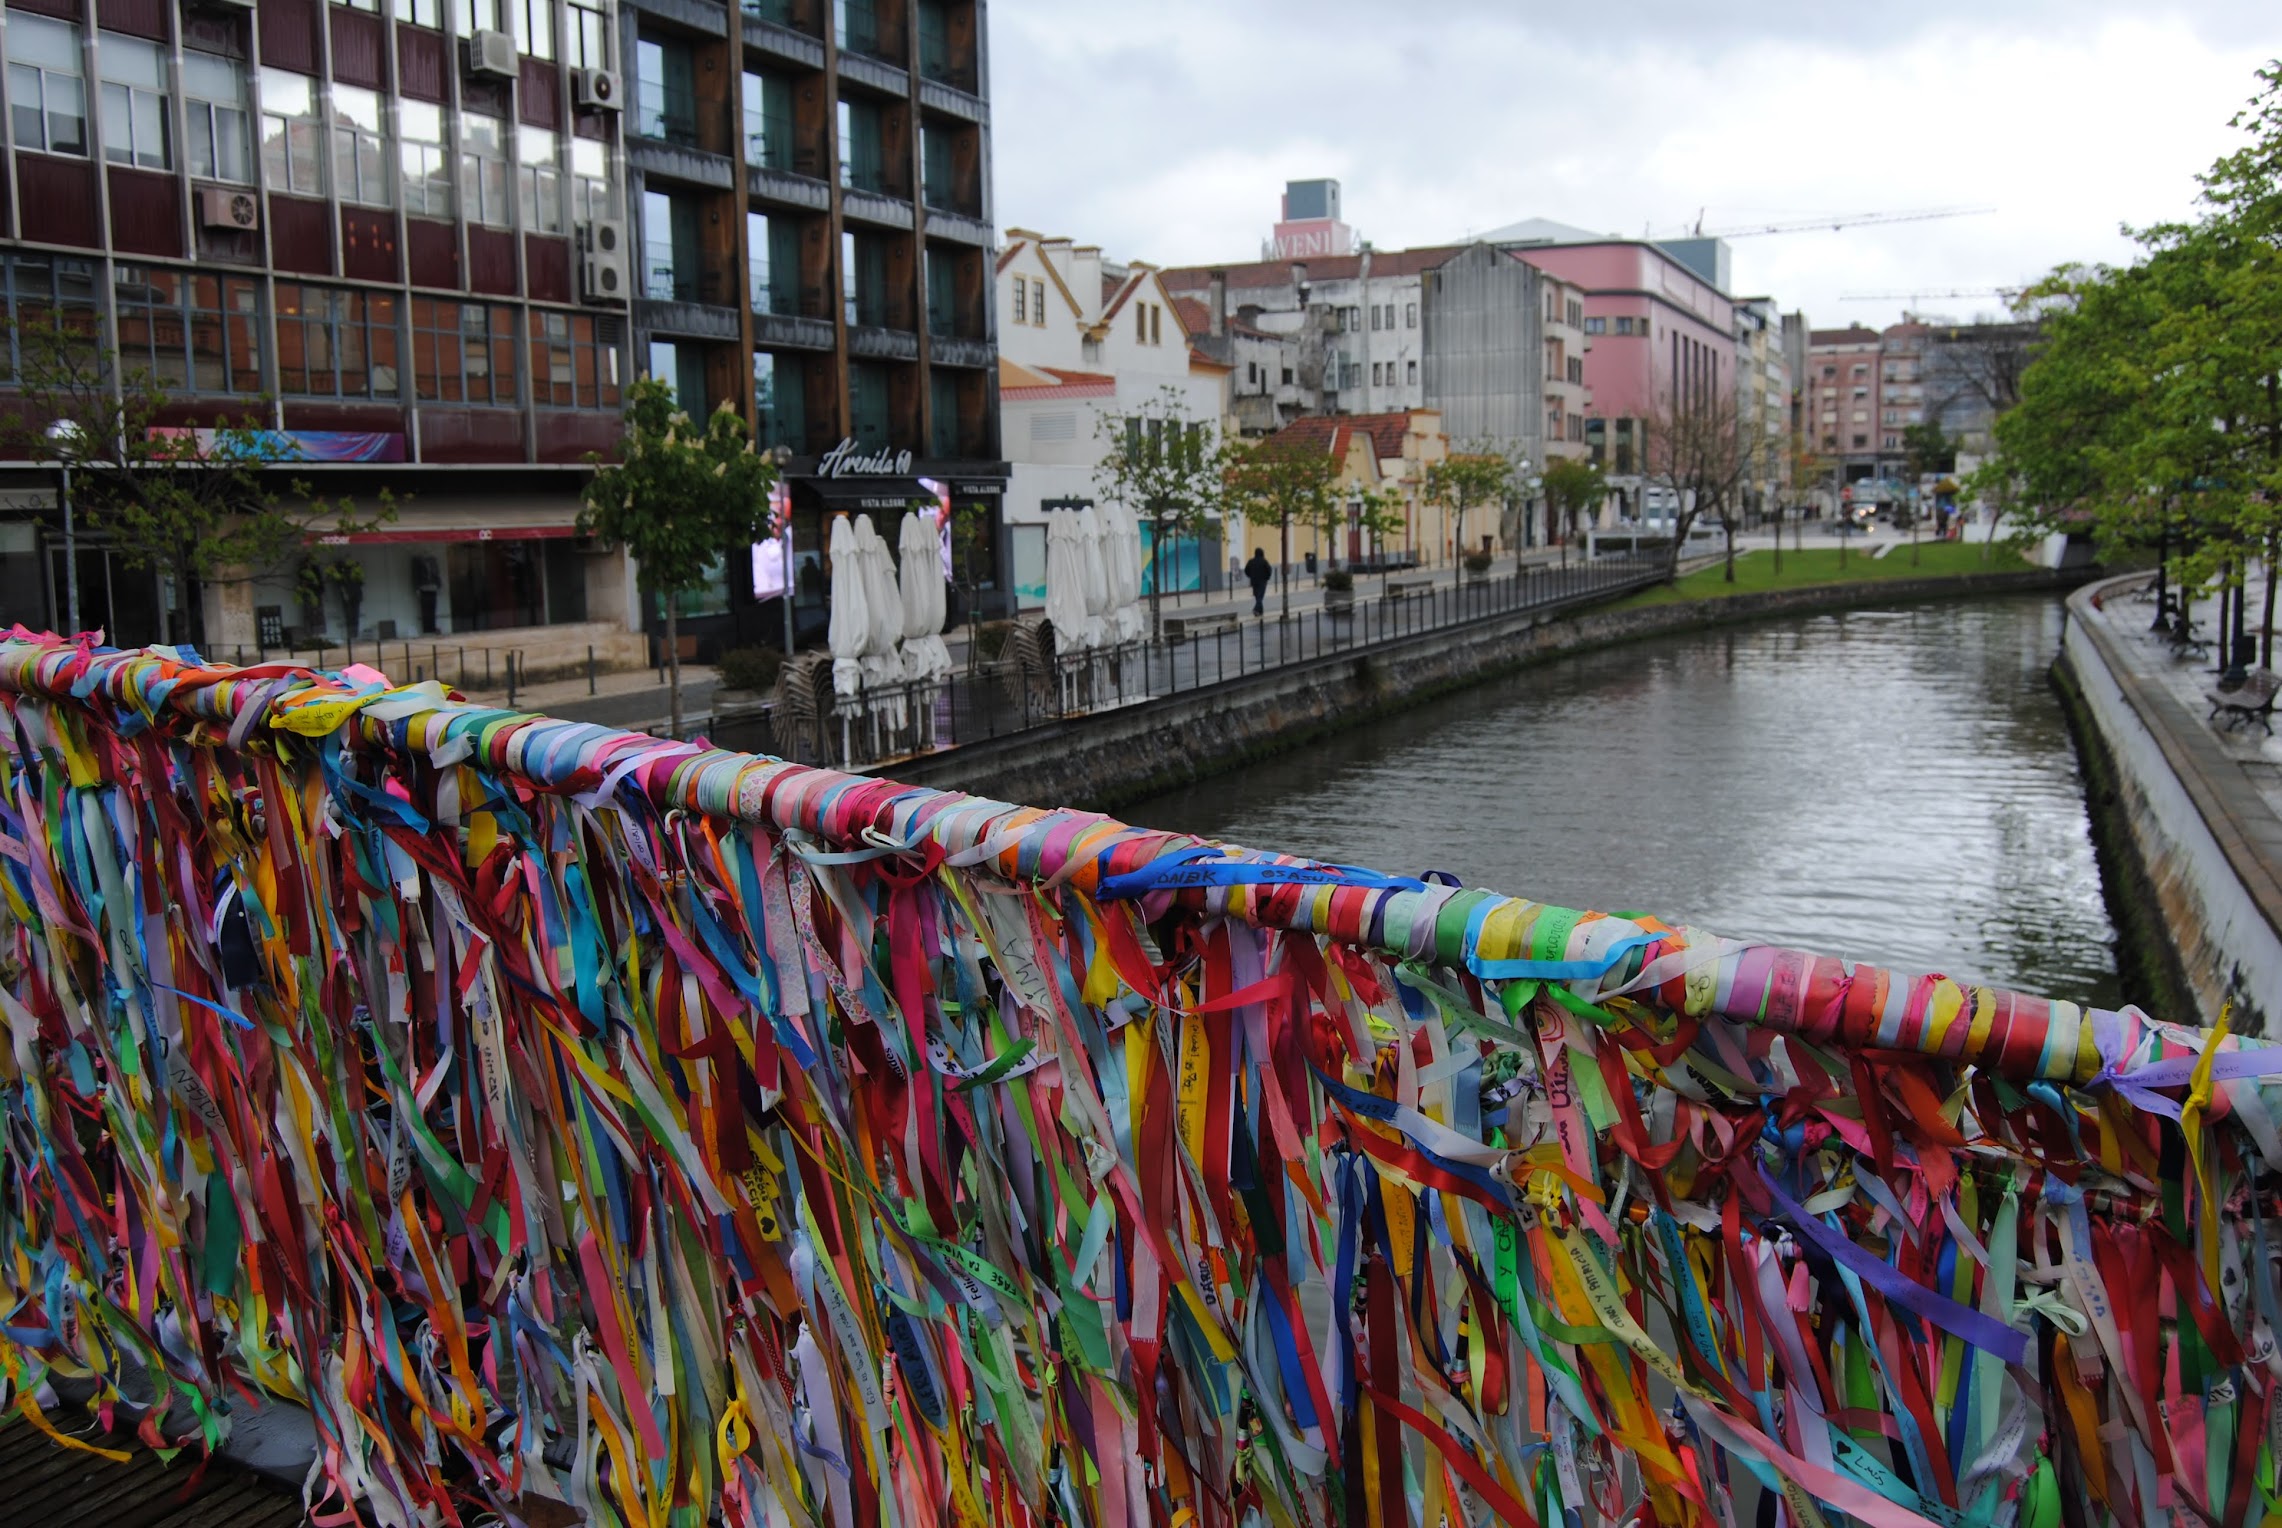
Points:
[(1066, 580), (919, 546), (1101, 596), (1125, 563), (883, 607), (851, 629)]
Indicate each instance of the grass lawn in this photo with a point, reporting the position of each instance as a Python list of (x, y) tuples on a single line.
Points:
[(1755, 571)]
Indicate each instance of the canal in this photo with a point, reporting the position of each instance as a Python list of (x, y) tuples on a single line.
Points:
[(1895, 786)]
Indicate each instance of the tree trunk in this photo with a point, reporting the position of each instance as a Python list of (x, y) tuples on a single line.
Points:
[(1284, 563), (2266, 615), (673, 666), (1727, 529), (1778, 545)]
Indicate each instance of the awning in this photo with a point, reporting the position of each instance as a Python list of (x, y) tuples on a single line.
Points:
[(866, 493)]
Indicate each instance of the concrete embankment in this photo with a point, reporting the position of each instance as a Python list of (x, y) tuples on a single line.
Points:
[(1102, 760), (2190, 846)]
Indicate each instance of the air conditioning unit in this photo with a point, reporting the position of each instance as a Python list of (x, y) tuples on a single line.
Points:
[(221, 207), (492, 53), (596, 89), (604, 270)]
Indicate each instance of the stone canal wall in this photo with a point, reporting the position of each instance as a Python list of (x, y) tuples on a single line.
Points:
[(1108, 758), (2190, 849)]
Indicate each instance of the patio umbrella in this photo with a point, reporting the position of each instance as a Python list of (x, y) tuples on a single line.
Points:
[(883, 607), (919, 545), (1066, 580), (851, 628), (1124, 532), (1101, 594)]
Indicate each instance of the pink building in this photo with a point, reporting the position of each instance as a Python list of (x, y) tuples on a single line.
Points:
[(1864, 388), (1655, 334)]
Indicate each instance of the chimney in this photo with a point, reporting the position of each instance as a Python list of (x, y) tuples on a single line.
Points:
[(1219, 324), (1085, 278)]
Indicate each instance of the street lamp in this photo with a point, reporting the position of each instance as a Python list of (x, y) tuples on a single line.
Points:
[(782, 455), (66, 435)]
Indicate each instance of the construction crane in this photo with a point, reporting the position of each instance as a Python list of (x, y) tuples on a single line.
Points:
[(2007, 293), (1833, 223)]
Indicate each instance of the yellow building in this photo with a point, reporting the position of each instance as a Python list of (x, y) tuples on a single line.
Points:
[(1383, 453)]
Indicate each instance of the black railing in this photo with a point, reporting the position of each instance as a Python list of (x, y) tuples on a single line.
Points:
[(1005, 695)]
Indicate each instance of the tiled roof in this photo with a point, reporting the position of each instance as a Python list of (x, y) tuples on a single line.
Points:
[(1333, 432), (1037, 384), (1193, 315), (1854, 334)]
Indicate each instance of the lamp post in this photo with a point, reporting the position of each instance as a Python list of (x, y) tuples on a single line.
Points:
[(781, 455), (65, 435)]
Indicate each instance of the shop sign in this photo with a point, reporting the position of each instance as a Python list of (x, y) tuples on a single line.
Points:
[(843, 460)]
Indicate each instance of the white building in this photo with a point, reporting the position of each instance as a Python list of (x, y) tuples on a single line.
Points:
[(1082, 342)]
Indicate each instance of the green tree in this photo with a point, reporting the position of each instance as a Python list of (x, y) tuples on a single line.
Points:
[(195, 504), (679, 497), (1474, 477), (1282, 483), (1166, 467), (1573, 487), (1928, 451)]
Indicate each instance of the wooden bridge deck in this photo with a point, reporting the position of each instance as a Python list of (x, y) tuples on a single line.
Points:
[(43, 1485)]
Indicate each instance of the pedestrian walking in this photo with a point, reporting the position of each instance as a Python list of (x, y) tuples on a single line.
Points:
[(1259, 570)]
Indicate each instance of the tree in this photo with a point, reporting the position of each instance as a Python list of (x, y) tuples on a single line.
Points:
[(1471, 478), (1928, 450), (1168, 469), (193, 503), (1701, 448), (1281, 483), (678, 498), (1573, 487)]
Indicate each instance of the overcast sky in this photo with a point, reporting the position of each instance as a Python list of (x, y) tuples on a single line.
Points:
[(1165, 131)]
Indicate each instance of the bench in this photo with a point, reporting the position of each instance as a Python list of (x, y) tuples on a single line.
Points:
[(1402, 588), (2250, 701), (1179, 628)]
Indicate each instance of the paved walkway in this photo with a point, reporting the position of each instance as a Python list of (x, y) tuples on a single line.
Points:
[(2189, 681)]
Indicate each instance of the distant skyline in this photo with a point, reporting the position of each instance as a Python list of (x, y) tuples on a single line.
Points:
[(1166, 132)]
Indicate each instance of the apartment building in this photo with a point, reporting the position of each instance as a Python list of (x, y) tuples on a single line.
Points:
[(1865, 388), (810, 192), (371, 230), (1083, 341), (1763, 402)]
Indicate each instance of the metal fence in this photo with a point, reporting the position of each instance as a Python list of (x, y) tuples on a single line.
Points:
[(1020, 689)]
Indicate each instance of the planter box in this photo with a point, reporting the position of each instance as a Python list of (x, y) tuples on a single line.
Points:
[(1339, 602)]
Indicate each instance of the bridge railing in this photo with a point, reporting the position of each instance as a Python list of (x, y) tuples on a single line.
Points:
[(563, 1113)]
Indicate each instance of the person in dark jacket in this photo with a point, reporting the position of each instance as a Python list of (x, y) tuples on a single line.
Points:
[(1259, 571)]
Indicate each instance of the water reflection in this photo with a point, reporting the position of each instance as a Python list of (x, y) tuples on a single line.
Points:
[(1895, 786)]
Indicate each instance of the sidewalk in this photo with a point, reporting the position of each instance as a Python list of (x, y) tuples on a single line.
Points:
[(634, 699)]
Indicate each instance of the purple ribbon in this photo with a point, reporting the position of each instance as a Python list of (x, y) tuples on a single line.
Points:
[(1984, 1332), (2138, 1086)]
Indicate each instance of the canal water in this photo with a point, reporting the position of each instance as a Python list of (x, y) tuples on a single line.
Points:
[(1895, 786)]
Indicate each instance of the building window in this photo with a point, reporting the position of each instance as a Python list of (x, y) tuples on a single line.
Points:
[(1410, 315), (938, 167), (773, 243), (868, 404), (427, 164), (1140, 323), (1624, 326), (589, 36), (665, 93), (335, 344), (863, 265), (590, 180), (420, 13), (1596, 326), (669, 247), (483, 170), (1410, 373), (360, 152), (472, 16), (535, 27), (462, 352), (134, 101), (943, 312), (214, 91), (682, 368), (780, 398), (47, 93), (570, 366), (768, 121), (1861, 442), (1021, 301), (935, 42), (188, 333), (1038, 304), (539, 177), (292, 136), (863, 162), (1375, 318), (1156, 324), (1377, 370), (943, 414), (857, 23), (41, 291)]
